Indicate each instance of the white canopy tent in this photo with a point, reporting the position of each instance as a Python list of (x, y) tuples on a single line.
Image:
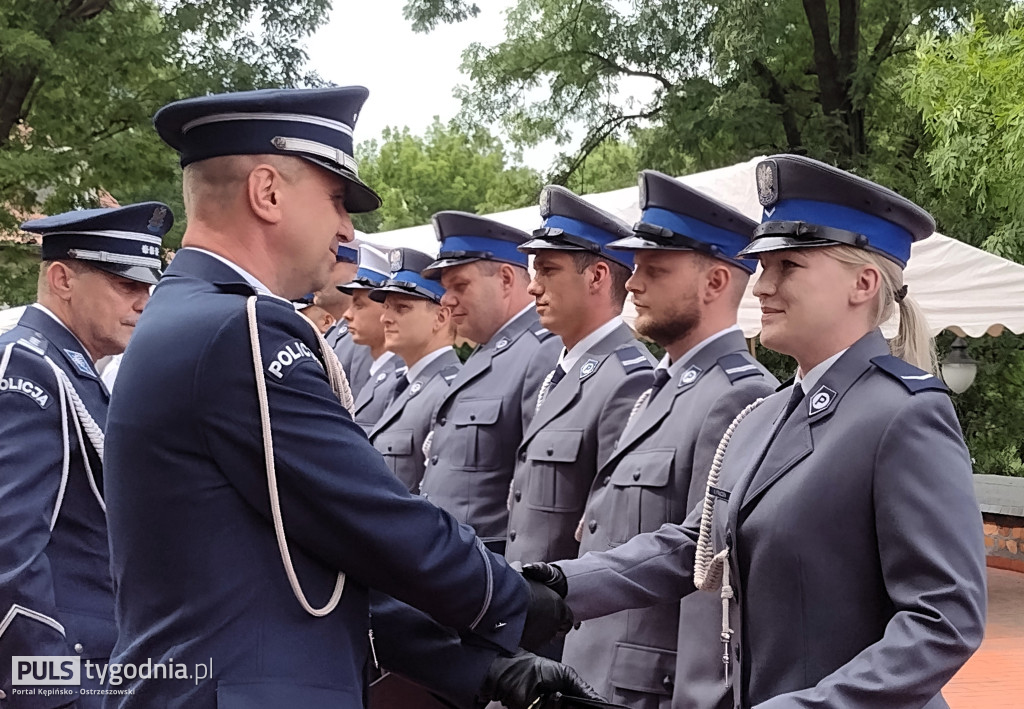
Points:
[(959, 287)]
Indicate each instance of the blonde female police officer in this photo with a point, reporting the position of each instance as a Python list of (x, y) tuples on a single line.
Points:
[(842, 529)]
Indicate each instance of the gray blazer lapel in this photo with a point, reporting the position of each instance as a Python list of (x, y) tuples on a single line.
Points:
[(794, 441), (559, 398)]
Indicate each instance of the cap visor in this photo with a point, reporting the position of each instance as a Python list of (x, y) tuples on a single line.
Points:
[(543, 244), (636, 243), (764, 244), (142, 274), (359, 198), (378, 294)]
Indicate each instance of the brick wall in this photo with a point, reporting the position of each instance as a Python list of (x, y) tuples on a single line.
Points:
[(1004, 541)]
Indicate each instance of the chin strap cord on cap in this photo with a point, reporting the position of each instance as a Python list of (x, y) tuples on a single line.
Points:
[(710, 570), (341, 389)]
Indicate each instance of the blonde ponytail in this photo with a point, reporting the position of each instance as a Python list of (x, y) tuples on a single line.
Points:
[(912, 343)]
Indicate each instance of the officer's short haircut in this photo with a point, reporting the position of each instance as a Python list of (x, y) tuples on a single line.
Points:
[(74, 264), (619, 273), (490, 269)]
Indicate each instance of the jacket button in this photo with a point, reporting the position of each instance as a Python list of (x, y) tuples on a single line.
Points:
[(592, 526), (443, 420), (551, 451), (667, 683), (472, 417), (636, 475), (79, 648), (3, 694), (607, 479), (512, 536), (389, 447), (518, 495), (433, 460)]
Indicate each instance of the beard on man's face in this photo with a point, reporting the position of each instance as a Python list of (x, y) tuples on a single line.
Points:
[(670, 327)]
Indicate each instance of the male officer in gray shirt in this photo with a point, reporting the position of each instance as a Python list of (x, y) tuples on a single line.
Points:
[(483, 415), (687, 288), (421, 332), (580, 288), (365, 329)]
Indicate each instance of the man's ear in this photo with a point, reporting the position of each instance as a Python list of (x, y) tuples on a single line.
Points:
[(716, 281), (264, 189), (60, 280)]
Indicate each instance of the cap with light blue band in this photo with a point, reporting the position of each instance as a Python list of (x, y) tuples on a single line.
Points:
[(466, 238), (573, 224), (406, 277), (677, 217), (809, 204)]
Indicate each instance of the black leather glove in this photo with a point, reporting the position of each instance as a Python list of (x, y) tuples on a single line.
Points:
[(520, 680), (547, 616), (547, 574)]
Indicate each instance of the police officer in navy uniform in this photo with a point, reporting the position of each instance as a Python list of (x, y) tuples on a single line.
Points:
[(579, 287), (687, 288), (420, 330), (355, 359), (56, 596), (367, 331), (249, 516), (840, 529), (482, 417)]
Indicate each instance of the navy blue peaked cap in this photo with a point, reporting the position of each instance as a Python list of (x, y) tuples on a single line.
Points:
[(313, 124), (680, 218), (811, 204), (406, 277), (124, 241), (466, 238), (573, 224)]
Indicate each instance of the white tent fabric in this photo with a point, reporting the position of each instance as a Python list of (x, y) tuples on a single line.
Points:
[(959, 287)]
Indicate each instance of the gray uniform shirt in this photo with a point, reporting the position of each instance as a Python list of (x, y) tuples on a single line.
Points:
[(656, 475), (402, 429), (355, 359), (856, 545), (572, 433), (375, 395), (480, 422)]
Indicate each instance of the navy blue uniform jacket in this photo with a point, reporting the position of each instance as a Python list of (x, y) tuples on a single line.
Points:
[(55, 590), (196, 565)]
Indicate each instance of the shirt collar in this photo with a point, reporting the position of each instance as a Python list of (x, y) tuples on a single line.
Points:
[(380, 362), (249, 278), (60, 322), (514, 318), (568, 360), (416, 369), (676, 367), (807, 381)]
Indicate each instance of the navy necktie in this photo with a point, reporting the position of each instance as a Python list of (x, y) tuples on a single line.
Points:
[(661, 377), (400, 386), (795, 398), (556, 376)]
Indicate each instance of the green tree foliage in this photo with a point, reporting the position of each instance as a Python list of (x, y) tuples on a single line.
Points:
[(970, 91), (81, 79), (19, 270), (612, 165), (712, 82), (450, 167)]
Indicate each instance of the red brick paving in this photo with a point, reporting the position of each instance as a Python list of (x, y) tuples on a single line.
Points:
[(994, 677)]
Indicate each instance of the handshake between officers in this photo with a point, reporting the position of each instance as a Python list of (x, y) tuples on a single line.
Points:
[(252, 525)]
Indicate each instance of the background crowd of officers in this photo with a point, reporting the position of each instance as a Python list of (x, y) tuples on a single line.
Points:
[(559, 435)]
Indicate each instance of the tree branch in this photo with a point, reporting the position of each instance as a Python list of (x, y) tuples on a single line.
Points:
[(630, 72), (777, 96), (595, 137), (849, 36)]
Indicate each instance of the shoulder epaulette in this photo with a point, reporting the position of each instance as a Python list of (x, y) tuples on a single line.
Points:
[(450, 372), (738, 366), (633, 359), (908, 375), (35, 343), (543, 334)]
